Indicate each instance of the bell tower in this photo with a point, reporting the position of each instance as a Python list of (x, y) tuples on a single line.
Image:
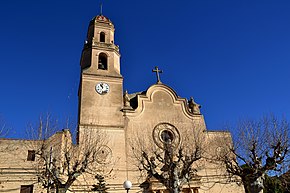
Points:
[(101, 84)]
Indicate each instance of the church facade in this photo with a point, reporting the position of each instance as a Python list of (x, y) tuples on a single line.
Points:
[(145, 119), (105, 105)]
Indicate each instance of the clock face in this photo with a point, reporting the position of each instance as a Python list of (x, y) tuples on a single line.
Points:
[(102, 88)]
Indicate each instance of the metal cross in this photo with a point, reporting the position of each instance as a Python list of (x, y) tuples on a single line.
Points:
[(157, 73)]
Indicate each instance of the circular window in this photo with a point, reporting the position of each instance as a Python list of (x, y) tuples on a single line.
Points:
[(104, 155), (166, 134)]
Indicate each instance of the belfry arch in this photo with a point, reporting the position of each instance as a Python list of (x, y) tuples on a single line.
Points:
[(102, 37), (103, 61)]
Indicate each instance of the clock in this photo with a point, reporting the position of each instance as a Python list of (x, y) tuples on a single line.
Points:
[(102, 88)]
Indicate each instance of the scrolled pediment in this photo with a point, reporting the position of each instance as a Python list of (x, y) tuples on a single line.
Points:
[(158, 98)]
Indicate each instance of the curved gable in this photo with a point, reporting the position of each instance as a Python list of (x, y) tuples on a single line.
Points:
[(160, 99)]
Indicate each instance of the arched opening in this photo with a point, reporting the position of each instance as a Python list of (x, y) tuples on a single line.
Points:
[(102, 37), (103, 61)]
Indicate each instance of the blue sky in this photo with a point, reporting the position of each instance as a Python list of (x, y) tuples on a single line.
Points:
[(232, 56)]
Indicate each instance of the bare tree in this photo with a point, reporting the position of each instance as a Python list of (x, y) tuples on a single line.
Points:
[(169, 157), (3, 128), (60, 162), (260, 147)]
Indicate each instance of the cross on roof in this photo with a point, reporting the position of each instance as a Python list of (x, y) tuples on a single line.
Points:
[(157, 73)]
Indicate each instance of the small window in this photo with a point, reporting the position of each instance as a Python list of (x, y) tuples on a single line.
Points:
[(26, 189), (31, 155), (103, 61), (102, 37)]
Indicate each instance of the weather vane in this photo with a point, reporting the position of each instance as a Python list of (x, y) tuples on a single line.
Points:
[(157, 70)]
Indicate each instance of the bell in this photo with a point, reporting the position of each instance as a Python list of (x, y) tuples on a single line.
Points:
[(101, 65)]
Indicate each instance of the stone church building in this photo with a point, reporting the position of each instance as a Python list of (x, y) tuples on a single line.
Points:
[(152, 116)]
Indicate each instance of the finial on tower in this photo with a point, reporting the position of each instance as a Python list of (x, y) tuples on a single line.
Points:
[(101, 8)]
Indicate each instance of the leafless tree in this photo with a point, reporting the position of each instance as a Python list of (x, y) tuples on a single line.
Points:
[(59, 161), (169, 157), (3, 128), (260, 147)]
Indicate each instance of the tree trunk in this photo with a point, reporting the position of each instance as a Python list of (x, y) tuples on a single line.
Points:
[(62, 190), (174, 179), (174, 190), (254, 187)]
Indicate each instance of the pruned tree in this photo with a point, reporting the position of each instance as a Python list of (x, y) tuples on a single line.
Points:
[(260, 147), (59, 161), (169, 156)]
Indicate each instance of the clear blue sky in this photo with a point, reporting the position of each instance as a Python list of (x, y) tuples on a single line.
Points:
[(232, 56)]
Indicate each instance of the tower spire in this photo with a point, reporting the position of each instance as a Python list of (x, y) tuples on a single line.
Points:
[(101, 8)]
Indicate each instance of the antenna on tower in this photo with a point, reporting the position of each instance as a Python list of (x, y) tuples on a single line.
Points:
[(101, 8)]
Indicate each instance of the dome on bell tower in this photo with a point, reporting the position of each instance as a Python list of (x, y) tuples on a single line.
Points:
[(101, 19)]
